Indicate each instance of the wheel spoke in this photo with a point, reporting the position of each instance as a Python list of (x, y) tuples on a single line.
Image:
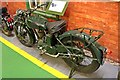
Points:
[(81, 61), (83, 64)]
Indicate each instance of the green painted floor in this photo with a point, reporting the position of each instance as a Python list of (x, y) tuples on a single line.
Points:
[(16, 66)]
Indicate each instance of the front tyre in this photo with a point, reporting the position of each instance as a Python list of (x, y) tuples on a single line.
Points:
[(25, 35), (84, 65)]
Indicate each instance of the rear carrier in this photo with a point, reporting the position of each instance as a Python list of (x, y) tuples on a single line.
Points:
[(93, 34)]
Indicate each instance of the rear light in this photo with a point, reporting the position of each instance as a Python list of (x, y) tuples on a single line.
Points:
[(109, 52), (9, 19)]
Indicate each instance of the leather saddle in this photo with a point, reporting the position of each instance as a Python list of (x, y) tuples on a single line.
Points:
[(56, 26)]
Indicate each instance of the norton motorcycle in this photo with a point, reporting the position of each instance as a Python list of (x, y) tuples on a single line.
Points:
[(7, 22), (79, 47)]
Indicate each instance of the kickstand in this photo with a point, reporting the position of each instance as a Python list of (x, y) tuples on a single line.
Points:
[(71, 72)]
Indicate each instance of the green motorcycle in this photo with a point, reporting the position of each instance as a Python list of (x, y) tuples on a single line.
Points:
[(79, 49)]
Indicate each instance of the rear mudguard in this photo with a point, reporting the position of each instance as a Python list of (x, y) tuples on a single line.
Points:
[(99, 50)]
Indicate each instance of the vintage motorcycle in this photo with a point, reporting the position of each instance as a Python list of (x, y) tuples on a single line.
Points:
[(7, 22), (78, 47)]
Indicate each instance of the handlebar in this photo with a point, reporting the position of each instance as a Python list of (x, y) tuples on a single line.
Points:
[(29, 11), (38, 6)]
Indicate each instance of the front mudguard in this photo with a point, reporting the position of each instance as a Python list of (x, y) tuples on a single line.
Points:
[(99, 50)]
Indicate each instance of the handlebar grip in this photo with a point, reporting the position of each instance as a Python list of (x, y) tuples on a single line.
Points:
[(38, 6)]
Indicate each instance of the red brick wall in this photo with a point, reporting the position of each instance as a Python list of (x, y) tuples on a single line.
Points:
[(13, 6), (97, 15)]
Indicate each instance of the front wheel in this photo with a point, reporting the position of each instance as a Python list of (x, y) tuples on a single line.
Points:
[(84, 65), (25, 35)]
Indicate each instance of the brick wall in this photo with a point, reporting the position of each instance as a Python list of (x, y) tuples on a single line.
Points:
[(97, 15), (13, 6)]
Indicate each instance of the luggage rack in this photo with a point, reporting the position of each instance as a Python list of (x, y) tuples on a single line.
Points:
[(95, 34), (91, 32)]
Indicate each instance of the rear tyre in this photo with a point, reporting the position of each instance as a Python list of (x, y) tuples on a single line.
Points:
[(5, 29), (25, 35), (118, 77), (84, 65)]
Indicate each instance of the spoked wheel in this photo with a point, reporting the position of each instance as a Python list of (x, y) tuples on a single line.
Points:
[(5, 29), (25, 35), (86, 64)]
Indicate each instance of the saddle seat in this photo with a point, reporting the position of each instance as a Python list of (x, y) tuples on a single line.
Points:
[(56, 26)]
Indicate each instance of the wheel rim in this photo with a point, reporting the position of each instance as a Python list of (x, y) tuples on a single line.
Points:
[(87, 61), (23, 35), (5, 29), (4, 26)]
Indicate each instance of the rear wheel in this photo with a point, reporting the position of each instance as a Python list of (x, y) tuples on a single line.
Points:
[(84, 65), (5, 29), (25, 35), (118, 77)]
